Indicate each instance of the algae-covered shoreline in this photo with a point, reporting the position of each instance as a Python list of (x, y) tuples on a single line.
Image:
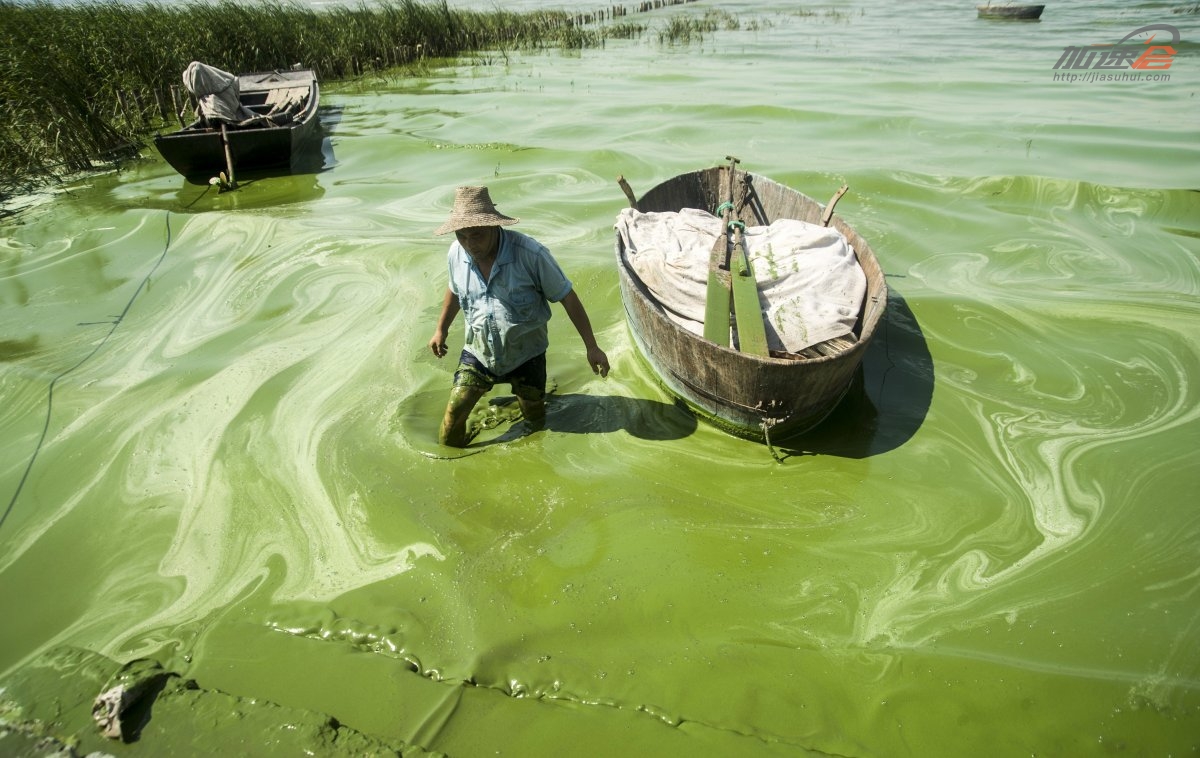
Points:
[(174, 715), (85, 83)]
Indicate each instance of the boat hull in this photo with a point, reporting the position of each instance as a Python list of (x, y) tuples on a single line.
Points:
[(749, 396), (1011, 12), (199, 153)]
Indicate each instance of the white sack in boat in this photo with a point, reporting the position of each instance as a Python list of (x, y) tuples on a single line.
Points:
[(810, 286)]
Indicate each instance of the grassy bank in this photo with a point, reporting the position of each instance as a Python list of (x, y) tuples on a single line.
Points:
[(88, 82)]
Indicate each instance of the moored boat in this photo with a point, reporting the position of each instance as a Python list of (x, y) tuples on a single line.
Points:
[(1011, 12), (725, 374), (257, 120)]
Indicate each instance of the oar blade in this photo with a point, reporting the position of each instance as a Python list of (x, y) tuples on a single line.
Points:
[(752, 334)]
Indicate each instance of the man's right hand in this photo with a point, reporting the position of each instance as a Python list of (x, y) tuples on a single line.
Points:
[(437, 343)]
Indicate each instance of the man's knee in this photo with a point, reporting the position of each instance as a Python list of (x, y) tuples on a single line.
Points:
[(463, 399)]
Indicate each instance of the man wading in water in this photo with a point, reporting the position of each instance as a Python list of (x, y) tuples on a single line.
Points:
[(503, 282)]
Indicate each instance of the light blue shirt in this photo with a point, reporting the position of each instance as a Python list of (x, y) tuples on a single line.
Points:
[(506, 316)]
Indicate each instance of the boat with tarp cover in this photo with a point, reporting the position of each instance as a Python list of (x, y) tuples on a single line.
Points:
[(259, 120), (749, 300)]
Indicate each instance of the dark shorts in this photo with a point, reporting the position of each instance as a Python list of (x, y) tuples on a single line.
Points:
[(528, 381)]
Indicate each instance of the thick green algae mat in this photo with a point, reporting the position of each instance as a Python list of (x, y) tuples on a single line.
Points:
[(219, 423)]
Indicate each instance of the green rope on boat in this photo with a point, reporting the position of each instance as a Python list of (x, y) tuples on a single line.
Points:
[(722, 207)]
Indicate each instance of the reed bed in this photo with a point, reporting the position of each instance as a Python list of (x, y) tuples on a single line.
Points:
[(86, 83), (687, 29)]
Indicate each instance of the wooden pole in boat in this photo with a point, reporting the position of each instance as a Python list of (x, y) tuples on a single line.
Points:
[(228, 157), (628, 191), (175, 104), (728, 205), (828, 215)]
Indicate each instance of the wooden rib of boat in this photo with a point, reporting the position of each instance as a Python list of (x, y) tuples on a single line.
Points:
[(1011, 12), (757, 397), (281, 109)]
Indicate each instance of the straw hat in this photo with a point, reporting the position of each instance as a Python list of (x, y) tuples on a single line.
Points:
[(473, 207)]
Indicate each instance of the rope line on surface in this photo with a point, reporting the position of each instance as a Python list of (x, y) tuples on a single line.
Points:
[(116, 322)]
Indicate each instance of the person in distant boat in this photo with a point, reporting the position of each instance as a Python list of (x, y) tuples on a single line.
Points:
[(503, 281)]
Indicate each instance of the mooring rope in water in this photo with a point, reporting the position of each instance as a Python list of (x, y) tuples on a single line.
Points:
[(53, 382), (767, 425)]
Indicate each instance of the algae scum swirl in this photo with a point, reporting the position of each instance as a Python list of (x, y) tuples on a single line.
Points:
[(238, 499)]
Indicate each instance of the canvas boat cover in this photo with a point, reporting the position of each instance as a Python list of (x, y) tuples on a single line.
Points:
[(216, 93), (810, 285)]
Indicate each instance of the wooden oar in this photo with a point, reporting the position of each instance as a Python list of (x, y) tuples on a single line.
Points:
[(719, 297), (752, 335)]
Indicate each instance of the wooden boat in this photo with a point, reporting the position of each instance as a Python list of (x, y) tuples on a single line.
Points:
[(1011, 12), (274, 116), (757, 397)]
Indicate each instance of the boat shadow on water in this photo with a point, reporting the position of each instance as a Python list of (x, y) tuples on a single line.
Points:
[(888, 399)]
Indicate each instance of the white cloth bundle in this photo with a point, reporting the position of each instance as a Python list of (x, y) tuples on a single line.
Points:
[(810, 286), (217, 93)]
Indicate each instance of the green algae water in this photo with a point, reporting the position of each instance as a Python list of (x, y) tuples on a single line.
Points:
[(219, 419)]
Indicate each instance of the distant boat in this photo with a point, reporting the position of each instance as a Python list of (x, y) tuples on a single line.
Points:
[(250, 121), (1011, 12), (754, 392)]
